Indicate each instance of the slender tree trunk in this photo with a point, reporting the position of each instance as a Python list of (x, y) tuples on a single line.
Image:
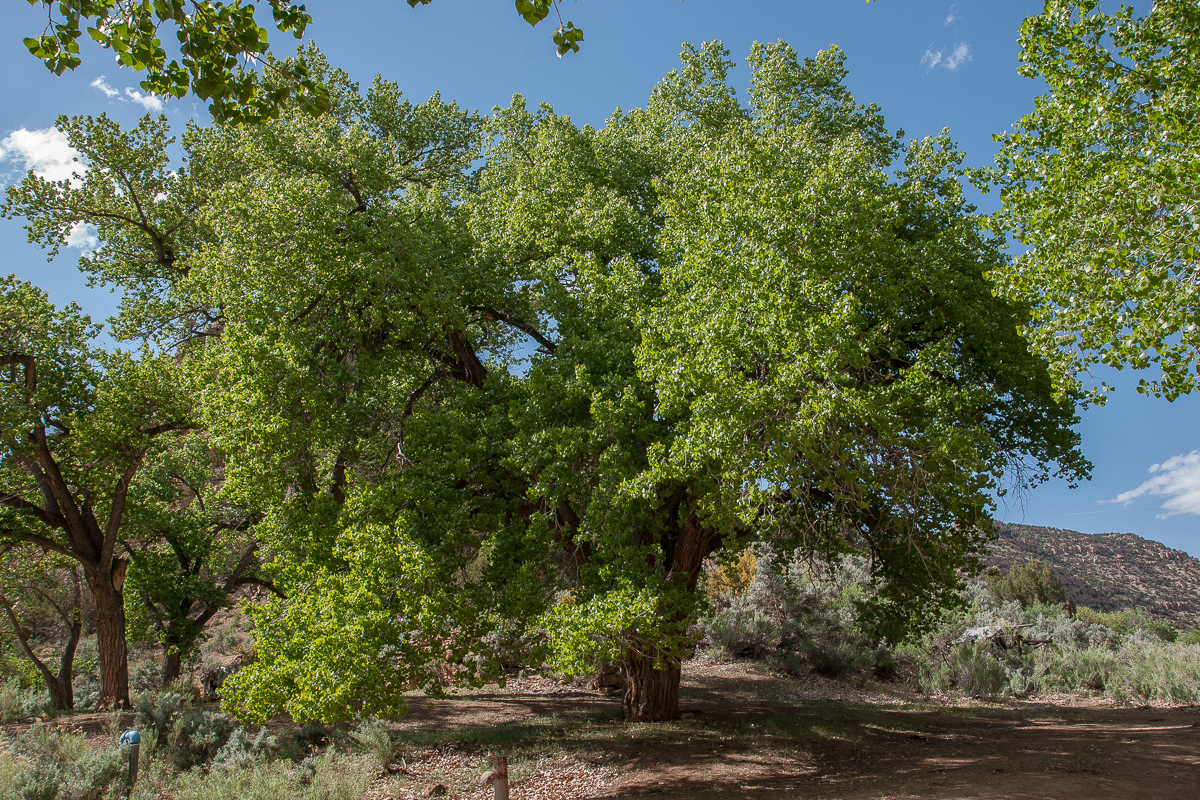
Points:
[(172, 664), (62, 692), (110, 636), (651, 695)]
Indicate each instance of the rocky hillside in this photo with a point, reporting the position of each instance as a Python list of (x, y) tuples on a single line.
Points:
[(1109, 571)]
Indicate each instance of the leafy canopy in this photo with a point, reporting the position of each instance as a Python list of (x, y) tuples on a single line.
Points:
[(1100, 182), (480, 378)]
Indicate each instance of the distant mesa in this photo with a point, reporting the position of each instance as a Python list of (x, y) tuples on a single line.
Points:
[(1108, 571)]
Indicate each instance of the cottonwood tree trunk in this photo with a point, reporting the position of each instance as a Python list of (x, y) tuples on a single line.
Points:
[(62, 692), (651, 695), (172, 664), (110, 636)]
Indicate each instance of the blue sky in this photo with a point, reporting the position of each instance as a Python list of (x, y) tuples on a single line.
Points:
[(929, 64)]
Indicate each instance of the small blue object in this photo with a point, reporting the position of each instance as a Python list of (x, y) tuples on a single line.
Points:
[(130, 737)]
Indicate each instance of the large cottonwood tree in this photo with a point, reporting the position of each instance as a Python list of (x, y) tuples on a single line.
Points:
[(76, 423), (476, 371)]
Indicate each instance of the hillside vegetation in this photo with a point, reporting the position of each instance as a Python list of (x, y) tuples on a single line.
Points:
[(1108, 571)]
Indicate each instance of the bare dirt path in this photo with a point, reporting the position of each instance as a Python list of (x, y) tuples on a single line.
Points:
[(749, 733)]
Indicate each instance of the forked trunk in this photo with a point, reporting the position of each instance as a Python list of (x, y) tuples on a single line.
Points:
[(110, 639), (62, 693), (651, 694)]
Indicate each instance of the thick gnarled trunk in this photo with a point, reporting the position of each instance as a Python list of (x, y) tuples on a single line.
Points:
[(651, 694)]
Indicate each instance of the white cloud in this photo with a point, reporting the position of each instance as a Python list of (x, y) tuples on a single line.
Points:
[(950, 18), (961, 55), (938, 58), (100, 84), (45, 151), (83, 236), (1177, 479), (147, 101)]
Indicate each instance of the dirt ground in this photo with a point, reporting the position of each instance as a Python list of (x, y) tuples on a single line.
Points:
[(747, 732)]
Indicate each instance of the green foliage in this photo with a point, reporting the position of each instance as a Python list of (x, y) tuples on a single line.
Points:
[(1099, 183), (742, 628), (763, 322), (213, 38), (156, 715), (332, 777), (198, 736), (243, 751), (371, 736), (1028, 583), (61, 766), (1127, 621), (1189, 637)]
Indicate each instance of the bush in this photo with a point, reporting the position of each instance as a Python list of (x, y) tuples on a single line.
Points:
[(156, 714), (312, 735), (834, 656), (330, 777), (743, 629), (198, 735), (1028, 583), (17, 702), (62, 767), (242, 751), (372, 737)]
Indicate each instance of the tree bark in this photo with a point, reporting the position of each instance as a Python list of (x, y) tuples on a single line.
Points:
[(172, 659), (651, 695), (110, 636)]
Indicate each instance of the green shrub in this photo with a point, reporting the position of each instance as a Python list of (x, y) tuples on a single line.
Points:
[(1028, 583), (743, 629), (60, 766), (371, 736), (312, 735), (242, 751), (19, 700), (198, 735), (330, 777), (156, 714), (974, 669), (834, 656), (883, 664), (1190, 637)]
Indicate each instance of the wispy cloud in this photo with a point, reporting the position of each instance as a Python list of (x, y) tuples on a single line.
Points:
[(950, 17), (149, 102), (1177, 479), (45, 151), (103, 86), (960, 55)]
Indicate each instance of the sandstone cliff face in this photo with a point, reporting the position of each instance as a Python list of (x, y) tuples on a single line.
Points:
[(1108, 571)]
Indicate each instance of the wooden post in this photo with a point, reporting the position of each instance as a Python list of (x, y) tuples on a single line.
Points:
[(500, 777)]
